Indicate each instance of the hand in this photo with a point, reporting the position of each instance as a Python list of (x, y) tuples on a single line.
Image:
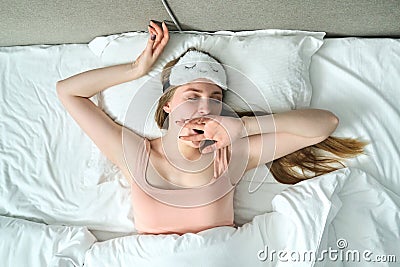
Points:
[(222, 130), (153, 50)]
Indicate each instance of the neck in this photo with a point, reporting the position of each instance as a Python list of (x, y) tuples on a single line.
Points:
[(177, 148), (182, 156)]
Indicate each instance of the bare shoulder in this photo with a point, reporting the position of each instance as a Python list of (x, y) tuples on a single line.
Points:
[(131, 144)]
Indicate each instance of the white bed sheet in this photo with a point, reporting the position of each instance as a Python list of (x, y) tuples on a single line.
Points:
[(358, 79), (44, 154), (355, 78), (25, 243)]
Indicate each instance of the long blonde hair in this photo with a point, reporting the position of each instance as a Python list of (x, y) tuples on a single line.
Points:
[(302, 164), (311, 159)]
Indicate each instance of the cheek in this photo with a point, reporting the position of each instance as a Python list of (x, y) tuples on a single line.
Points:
[(217, 109), (182, 108)]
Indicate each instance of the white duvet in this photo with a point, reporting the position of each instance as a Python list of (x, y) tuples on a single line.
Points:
[(357, 208), (358, 79)]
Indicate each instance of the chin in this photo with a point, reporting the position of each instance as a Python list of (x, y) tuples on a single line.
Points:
[(193, 144)]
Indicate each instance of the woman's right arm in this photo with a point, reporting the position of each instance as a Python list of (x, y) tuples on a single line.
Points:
[(89, 83), (74, 93)]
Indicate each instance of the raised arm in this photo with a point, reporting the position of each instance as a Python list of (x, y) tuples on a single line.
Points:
[(303, 122), (264, 138), (274, 136), (74, 93)]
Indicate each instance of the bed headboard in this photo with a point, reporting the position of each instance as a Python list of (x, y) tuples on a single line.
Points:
[(28, 22)]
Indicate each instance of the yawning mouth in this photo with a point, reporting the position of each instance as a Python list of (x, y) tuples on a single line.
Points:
[(198, 131)]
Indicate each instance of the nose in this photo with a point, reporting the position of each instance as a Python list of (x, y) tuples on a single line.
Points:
[(204, 106)]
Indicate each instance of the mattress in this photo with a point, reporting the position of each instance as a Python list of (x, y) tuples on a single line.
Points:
[(44, 191)]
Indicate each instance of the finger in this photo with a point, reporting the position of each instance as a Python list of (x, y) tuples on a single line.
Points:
[(152, 32), (194, 137), (206, 118), (220, 142), (209, 149), (157, 29), (165, 38), (150, 41), (217, 145), (199, 120), (162, 42), (191, 125), (160, 47), (166, 32), (151, 29), (156, 22)]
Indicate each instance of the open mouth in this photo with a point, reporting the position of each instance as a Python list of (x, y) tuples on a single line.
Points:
[(198, 131)]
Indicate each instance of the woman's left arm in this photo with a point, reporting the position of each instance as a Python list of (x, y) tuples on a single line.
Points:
[(302, 127), (274, 136), (301, 122)]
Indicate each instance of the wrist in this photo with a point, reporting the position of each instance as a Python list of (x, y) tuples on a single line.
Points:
[(245, 129), (252, 126), (258, 124), (133, 71)]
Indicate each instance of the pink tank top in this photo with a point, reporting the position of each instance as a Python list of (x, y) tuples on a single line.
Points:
[(153, 216)]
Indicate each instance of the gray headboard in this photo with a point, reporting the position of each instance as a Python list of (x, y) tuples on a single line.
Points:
[(28, 22)]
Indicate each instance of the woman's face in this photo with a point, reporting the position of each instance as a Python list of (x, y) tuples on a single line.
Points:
[(192, 100)]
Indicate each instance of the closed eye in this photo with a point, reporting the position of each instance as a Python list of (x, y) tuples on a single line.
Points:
[(215, 70), (190, 67)]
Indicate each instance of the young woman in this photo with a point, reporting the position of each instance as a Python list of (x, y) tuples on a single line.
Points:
[(183, 182)]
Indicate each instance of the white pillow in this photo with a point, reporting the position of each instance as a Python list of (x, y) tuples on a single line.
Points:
[(296, 224), (268, 70), (26, 243)]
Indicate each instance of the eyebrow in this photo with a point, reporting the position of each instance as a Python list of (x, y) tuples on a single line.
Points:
[(200, 91)]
